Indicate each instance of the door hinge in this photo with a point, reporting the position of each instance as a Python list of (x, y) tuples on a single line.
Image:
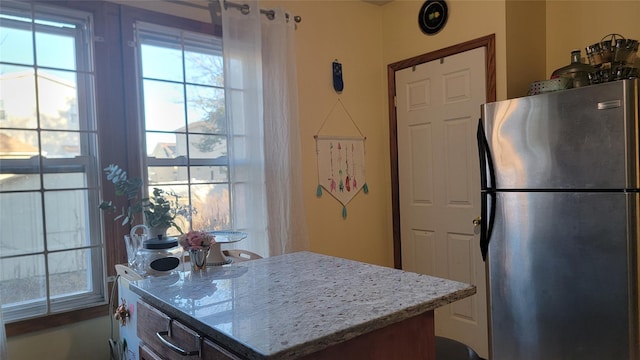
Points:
[(395, 101)]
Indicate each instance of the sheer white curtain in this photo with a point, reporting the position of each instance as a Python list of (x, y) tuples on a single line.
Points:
[(241, 42), (263, 108)]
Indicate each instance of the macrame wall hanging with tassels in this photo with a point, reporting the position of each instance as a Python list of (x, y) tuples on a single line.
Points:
[(341, 170)]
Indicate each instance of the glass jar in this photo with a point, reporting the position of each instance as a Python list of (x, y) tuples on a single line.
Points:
[(160, 257)]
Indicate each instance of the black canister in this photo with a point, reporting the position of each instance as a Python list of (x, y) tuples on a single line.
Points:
[(159, 257)]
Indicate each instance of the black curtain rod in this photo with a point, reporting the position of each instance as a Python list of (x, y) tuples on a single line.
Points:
[(214, 8), (244, 8)]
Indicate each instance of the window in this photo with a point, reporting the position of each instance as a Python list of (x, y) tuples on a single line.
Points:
[(75, 96), (51, 253), (182, 79)]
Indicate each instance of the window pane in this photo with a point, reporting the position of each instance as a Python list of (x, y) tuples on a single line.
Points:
[(66, 180), (163, 145), (70, 272), (67, 222), (202, 67), (18, 144), (178, 174), (161, 62), (58, 100), (14, 181), (207, 146), (56, 50), (209, 174), (167, 174), (60, 144), (205, 110), (23, 282), (163, 106), (21, 223), (16, 34), (212, 205), (18, 97)]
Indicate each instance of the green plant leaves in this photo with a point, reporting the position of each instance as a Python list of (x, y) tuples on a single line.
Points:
[(159, 210)]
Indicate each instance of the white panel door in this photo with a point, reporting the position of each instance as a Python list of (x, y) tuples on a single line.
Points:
[(438, 107)]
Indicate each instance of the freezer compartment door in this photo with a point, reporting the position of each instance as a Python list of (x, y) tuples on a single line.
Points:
[(562, 276), (583, 138)]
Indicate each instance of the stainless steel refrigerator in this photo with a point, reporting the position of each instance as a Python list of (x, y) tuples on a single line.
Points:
[(560, 223)]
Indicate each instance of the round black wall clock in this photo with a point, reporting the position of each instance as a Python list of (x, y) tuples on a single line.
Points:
[(433, 16)]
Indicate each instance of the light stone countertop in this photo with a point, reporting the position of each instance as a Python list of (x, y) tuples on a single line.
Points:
[(288, 306)]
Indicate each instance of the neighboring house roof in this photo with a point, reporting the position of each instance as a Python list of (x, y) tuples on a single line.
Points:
[(15, 148), (164, 150)]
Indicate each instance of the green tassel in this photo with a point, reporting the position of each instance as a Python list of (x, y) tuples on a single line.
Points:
[(344, 212), (365, 188), (319, 191)]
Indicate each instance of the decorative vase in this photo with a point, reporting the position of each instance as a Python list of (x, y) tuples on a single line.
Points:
[(198, 258)]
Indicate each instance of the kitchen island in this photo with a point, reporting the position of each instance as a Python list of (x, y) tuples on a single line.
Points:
[(295, 306)]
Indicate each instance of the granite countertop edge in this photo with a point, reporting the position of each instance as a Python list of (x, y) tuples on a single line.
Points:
[(451, 291), (360, 329)]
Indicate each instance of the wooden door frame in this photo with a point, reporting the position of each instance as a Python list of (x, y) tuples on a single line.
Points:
[(488, 42)]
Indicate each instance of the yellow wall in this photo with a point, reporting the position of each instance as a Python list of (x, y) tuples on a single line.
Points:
[(576, 24), (83, 340), (526, 45), (468, 20), (350, 32), (365, 38)]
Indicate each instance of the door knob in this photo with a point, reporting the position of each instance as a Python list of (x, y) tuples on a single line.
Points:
[(476, 221)]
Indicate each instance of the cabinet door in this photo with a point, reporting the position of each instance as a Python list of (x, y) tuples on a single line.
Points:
[(165, 338), (212, 351), (147, 354)]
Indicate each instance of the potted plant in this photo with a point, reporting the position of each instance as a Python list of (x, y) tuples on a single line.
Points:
[(160, 210)]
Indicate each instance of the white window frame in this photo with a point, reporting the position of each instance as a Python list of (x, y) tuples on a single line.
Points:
[(184, 39), (44, 19)]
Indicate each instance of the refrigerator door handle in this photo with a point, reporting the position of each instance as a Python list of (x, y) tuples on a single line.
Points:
[(487, 174), (488, 203), (482, 157), (488, 195)]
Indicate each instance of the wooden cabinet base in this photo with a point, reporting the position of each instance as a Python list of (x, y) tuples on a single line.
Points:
[(413, 338)]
